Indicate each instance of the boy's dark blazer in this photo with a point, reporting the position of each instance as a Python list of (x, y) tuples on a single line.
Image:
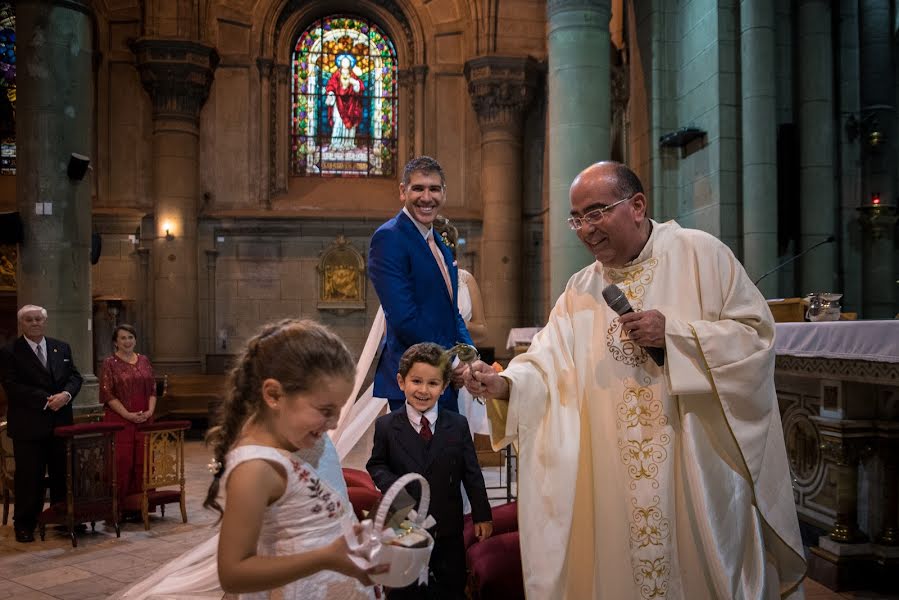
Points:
[(27, 384), (448, 459)]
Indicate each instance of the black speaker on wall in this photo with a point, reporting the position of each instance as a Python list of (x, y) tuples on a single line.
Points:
[(78, 165), (96, 248)]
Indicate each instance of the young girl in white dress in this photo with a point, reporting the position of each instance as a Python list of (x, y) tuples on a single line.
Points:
[(281, 528)]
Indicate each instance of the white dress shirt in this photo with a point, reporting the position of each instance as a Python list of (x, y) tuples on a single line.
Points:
[(415, 417)]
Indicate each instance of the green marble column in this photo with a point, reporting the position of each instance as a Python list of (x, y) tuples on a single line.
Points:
[(817, 183), (55, 118), (579, 124), (757, 43), (177, 74)]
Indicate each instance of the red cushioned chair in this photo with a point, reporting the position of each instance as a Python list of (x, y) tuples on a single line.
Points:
[(163, 448), (90, 479), (358, 478), (361, 490), (494, 565), (494, 568)]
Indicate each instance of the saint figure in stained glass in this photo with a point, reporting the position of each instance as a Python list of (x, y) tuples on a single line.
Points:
[(344, 101)]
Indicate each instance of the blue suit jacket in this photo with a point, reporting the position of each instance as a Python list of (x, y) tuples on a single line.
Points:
[(413, 294)]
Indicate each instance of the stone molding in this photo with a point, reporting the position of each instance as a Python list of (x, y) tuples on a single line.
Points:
[(501, 90), (554, 7), (265, 66), (177, 75), (832, 368)]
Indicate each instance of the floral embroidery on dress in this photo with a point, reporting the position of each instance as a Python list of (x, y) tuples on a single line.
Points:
[(326, 500)]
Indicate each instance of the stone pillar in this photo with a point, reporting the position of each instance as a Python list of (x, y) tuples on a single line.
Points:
[(843, 442), (266, 115), (145, 302), (757, 42), (55, 118), (579, 121), (211, 258), (419, 75), (816, 147), (888, 449), (177, 74), (501, 89), (877, 132), (281, 107)]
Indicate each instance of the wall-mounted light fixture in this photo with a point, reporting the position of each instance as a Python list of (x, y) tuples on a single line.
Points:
[(167, 227)]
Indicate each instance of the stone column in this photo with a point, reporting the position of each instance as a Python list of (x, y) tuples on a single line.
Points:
[(816, 145), (281, 107), (888, 449), (501, 89), (877, 132), (145, 301), (419, 75), (843, 443), (579, 121), (55, 118), (757, 42), (177, 74), (211, 258), (266, 114)]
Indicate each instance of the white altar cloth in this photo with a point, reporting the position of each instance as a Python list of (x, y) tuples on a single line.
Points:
[(876, 341)]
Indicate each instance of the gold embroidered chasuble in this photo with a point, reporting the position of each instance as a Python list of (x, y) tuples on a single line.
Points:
[(638, 481)]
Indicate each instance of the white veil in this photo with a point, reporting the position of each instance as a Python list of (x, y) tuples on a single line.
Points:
[(356, 417)]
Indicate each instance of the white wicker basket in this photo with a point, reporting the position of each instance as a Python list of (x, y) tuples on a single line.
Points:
[(406, 564)]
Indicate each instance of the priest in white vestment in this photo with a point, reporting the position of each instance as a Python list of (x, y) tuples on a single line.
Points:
[(641, 481)]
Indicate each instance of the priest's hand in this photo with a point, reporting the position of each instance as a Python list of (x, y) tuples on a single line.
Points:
[(482, 380), (646, 328)]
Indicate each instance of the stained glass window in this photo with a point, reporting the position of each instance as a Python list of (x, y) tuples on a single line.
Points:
[(7, 89), (343, 100)]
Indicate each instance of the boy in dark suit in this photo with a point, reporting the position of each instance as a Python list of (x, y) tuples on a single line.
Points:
[(40, 381), (436, 443)]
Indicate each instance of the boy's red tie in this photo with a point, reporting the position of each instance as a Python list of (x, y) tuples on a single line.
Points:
[(425, 431)]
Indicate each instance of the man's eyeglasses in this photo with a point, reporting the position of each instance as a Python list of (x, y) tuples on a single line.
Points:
[(594, 216)]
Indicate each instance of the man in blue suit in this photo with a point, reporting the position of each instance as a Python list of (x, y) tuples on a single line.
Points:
[(416, 280)]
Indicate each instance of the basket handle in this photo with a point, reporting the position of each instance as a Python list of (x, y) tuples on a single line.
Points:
[(390, 496)]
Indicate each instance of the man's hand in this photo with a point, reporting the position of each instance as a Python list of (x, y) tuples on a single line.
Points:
[(57, 401), (457, 377), (482, 531), (645, 328), (482, 380)]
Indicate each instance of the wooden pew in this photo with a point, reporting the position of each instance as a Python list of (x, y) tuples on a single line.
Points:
[(190, 396)]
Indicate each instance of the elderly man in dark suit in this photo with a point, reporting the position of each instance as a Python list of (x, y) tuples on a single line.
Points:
[(40, 380)]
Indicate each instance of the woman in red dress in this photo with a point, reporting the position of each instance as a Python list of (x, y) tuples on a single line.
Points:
[(128, 391)]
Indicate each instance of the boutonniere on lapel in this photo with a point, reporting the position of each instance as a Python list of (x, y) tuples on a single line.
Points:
[(55, 350), (455, 263)]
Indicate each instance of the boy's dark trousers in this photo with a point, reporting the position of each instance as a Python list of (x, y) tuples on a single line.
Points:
[(447, 574)]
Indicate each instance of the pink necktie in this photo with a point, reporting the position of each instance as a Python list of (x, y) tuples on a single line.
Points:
[(425, 431), (432, 244)]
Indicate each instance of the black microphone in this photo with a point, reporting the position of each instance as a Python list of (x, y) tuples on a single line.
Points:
[(830, 239), (617, 301)]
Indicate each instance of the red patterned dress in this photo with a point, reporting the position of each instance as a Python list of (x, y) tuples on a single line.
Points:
[(132, 385)]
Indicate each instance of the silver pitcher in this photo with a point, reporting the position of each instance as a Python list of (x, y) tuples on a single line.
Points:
[(823, 306)]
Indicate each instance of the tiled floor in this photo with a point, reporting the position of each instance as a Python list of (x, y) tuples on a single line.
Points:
[(102, 564)]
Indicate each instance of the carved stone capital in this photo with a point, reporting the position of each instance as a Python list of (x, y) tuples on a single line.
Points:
[(405, 78), (420, 73), (177, 74), (282, 72), (265, 66), (554, 7), (501, 89)]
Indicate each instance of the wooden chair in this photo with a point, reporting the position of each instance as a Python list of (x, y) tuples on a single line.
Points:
[(163, 447), (90, 479), (7, 470)]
